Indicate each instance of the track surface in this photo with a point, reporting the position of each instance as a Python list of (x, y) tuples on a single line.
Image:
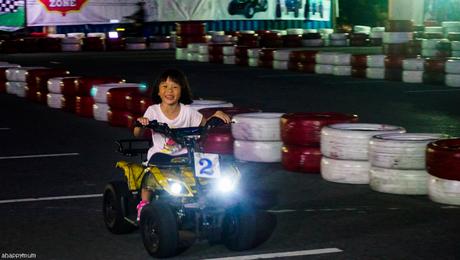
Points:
[(306, 212)]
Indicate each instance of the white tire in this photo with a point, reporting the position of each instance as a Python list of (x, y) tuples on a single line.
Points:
[(338, 36), (203, 103), (135, 46), (312, 42), (71, 40), (100, 112), (20, 89), (280, 64), (430, 43), (19, 74), (203, 57), (342, 59), (376, 35), (194, 47), (230, 59), (12, 87), (192, 56), (76, 35), (338, 43), (429, 52), (413, 64), (160, 45), (253, 62), (376, 61), (345, 171), (434, 29), (221, 38), (412, 76), (294, 31), (362, 29), (253, 53), (452, 66), (203, 49), (407, 182), (444, 191), (96, 34), (351, 141), (455, 46), (100, 91), (56, 35), (325, 57), (54, 100), (324, 69), (257, 126), (400, 151), (71, 47), (375, 73), (228, 50), (453, 80), (377, 29), (455, 53), (253, 151), (281, 55), (342, 71), (397, 37), (181, 53)]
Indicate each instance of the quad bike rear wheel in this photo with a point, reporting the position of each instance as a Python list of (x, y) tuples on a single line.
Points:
[(159, 230), (115, 206), (239, 228)]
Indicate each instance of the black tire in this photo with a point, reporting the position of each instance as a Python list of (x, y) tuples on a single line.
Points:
[(249, 11), (239, 228), (115, 207), (159, 230), (232, 8)]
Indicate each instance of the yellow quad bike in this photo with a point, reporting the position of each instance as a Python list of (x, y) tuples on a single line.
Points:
[(192, 200)]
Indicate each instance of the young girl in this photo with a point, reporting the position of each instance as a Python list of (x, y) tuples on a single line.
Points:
[(171, 96)]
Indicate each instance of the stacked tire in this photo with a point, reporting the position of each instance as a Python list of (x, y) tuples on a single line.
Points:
[(302, 61), (16, 80), (443, 165), (37, 83), (253, 56), (325, 62), (345, 151), (293, 38), (342, 64), (301, 136), (257, 137), (101, 107), (72, 42), (338, 39), (398, 163), (186, 33), (228, 53), (312, 39), (375, 66), (55, 97), (281, 59), (94, 42), (434, 71), (413, 70), (220, 140), (452, 69), (266, 57), (376, 36), (119, 114), (3, 67)]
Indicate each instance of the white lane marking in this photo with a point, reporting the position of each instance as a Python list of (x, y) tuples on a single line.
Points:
[(283, 254), (5, 128), (50, 198), (38, 156), (281, 211), (432, 90)]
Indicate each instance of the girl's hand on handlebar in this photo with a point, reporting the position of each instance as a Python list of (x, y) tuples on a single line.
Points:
[(143, 121), (219, 114)]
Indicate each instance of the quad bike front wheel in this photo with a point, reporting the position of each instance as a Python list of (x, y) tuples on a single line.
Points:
[(159, 230), (115, 205), (249, 10), (239, 228)]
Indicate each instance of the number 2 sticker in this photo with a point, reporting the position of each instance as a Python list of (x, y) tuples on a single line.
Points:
[(207, 165)]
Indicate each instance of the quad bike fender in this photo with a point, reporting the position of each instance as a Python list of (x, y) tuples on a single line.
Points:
[(133, 172)]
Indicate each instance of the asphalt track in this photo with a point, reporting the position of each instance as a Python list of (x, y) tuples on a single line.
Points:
[(298, 211)]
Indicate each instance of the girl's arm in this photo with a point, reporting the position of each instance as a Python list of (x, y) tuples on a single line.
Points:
[(139, 131), (219, 114)]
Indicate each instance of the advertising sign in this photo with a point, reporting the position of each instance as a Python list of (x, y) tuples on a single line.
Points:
[(11, 15)]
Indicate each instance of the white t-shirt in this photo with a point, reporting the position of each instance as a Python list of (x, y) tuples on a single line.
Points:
[(188, 117)]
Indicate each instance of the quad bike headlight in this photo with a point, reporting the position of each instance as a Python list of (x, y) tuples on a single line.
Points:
[(226, 184), (176, 188)]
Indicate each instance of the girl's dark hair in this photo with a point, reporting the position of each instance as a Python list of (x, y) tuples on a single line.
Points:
[(177, 77)]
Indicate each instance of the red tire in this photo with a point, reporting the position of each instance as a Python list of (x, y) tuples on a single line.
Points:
[(41, 97), (84, 106), (183, 41), (394, 61), (393, 74), (190, 28), (2, 86), (242, 51), (306, 67), (358, 61), (266, 54), (292, 41), (243, 61), (40, 77), (93, 44), (443, 159), (436, 65), (303, 56), (358, 72), (217, 48), (68, 103), (116, 97), (305, 128), (120, 118), (219, 140), (301, 158)]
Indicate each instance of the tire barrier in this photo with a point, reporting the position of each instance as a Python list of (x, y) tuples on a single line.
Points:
[(56, 84), (375, 73), (452, 66), (117, 97), (395, 181), (393, 74), (399, 26), (442, 159), (341, 71), (413, 64), (435, 65), (100, 112), (100, 91), (397, 37), (393, 62), (376, 61), (433, 78), (54, 100), (218, 140), (412, 76), (119, 118), (453, 80), (257, 126), (324, 69), (84, 106)]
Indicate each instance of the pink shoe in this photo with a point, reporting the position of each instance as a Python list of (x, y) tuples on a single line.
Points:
[(139, 208)]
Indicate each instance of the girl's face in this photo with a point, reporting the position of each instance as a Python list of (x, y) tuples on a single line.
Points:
[(169, 92)]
